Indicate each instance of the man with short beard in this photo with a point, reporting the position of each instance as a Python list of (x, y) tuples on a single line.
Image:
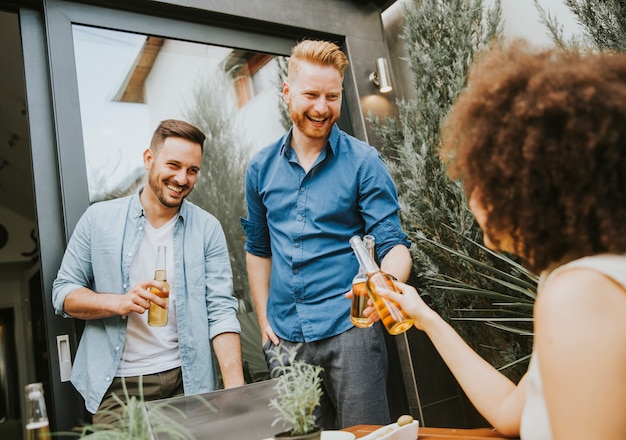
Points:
[(307, 194), (108, 270)]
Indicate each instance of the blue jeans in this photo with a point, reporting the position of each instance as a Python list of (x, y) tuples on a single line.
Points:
[(354, 380)]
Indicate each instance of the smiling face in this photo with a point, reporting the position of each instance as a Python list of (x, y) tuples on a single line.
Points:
[(172, 170), (313, 94)]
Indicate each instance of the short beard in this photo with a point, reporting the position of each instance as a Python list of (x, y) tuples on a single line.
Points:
[(300, 122), (159, 193)]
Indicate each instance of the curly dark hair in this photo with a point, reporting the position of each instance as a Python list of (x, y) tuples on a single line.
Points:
[(541, 134)]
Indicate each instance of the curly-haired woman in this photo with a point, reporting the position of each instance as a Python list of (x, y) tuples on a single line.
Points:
[(539, 140)]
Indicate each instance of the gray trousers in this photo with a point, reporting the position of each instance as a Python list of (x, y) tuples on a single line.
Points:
[(354, 380)]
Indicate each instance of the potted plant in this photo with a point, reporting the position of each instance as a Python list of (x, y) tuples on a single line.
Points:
[(134, 423), (298, 392)]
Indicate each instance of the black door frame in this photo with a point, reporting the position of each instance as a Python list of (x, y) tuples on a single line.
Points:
[(56, 134)]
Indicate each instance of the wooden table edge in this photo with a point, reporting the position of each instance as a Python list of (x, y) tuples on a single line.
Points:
[(427, 433)]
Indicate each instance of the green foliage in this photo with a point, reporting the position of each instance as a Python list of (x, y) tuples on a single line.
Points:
[(461, 279), (299, 390), (603, 23), (511, 295), (285, 118), (555, 29), (220, 185), (134, 423), (220, 190), (442, 38)]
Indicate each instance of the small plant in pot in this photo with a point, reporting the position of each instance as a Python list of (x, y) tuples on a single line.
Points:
[(298, 393)]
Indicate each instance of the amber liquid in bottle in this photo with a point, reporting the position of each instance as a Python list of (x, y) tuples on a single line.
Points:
[(157, 315), (394, 319), (360, 296)]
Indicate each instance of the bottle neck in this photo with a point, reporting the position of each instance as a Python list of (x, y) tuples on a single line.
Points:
[(35, 404), (367, 262), (369, 242), (161, 258)]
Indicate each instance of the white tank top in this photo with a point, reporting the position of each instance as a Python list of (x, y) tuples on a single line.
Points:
[(535, 424), (148, 349)]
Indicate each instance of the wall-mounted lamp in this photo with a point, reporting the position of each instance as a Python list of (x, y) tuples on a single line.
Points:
[(381, 76)]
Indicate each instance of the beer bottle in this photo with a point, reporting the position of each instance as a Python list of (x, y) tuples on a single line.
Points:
[(359, 290), (37, 425), (157, 316), (394, 319)]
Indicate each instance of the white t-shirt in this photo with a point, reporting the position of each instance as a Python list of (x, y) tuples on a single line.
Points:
[(148, 349)]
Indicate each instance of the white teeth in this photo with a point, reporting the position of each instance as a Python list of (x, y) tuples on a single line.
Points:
[(175, 188)]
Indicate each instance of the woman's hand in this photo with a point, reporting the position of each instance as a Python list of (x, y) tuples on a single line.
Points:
[(410, 301), (369, 311)]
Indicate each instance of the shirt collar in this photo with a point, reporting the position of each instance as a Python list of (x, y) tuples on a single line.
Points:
[(137, 208), (333, 140), (135, 204)]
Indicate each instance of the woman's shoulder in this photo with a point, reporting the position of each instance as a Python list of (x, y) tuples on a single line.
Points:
[(582, 287), (580, 341), (588, 269)]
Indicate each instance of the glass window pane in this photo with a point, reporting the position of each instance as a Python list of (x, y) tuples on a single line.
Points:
[(129, 82)]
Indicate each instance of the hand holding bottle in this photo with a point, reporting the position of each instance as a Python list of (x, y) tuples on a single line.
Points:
[(360, 295), (157, 315), (136, 300), (411, 302), (369, 312), (394, 319)]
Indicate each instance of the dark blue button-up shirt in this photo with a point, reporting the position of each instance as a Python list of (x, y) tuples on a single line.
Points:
[(304, 222)]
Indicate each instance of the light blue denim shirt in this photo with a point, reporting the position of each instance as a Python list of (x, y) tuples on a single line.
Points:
[(304, 221), (98, 256)]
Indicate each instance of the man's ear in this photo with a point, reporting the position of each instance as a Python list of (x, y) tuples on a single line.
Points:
[(148, 157), (286, 92)]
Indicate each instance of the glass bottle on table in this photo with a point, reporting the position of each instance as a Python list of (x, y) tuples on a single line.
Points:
[(37, 425), (359, 290), (157, 315), (394, 319)]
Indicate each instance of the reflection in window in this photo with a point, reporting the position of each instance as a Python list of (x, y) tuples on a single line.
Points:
[(249, 77), (129, 82)]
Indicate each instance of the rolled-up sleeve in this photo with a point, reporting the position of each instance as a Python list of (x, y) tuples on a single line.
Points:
[(380, 209), (257, 238), (221, 304), (76, 269), (255, 226)]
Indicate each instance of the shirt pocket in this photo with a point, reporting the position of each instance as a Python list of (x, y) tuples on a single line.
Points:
[(195, 274)]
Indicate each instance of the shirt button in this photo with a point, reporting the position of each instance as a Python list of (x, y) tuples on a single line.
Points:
[(108, 379), (117, 348), (296, 271), (140, 228), (123, 317), (302, 189), (297, 245), (130, 254), (299, 218)]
